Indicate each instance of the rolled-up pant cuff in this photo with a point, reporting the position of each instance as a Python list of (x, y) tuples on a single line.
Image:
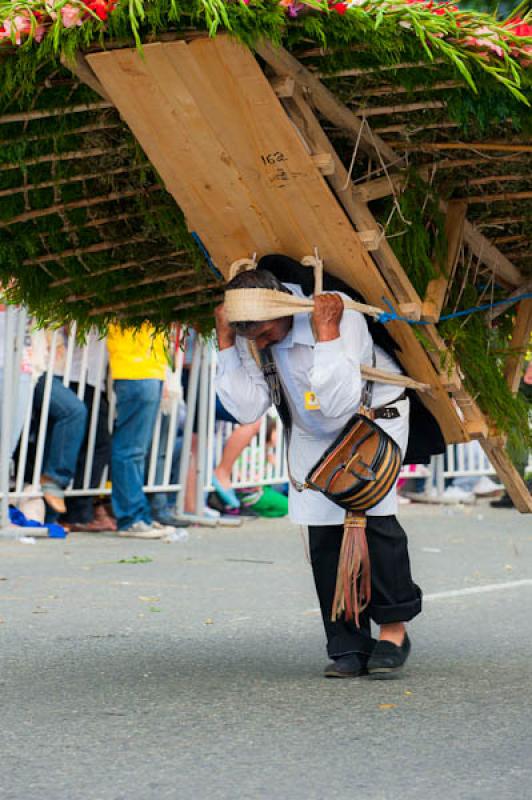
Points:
[(338, 647), (400, 612)]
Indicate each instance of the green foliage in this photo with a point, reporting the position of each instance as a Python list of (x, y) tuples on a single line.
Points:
[(415, 231), (482, 351)]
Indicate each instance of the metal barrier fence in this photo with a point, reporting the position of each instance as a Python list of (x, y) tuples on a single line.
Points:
[(203, 438)]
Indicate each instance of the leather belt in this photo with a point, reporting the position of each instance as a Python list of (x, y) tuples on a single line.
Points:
[(388, 411)]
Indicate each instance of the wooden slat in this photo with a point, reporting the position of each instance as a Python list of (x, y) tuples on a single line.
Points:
[(437, 288), (520, 340)]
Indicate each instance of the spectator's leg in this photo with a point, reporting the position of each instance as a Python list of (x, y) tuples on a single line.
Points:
[(237, 442), (81, 509), (137, 402), (69, 417)]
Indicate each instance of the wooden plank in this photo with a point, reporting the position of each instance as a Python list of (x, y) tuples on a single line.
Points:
[(220, 100), (299, 190), (437, 288), (519, 343), (515, 486), (155, 102)]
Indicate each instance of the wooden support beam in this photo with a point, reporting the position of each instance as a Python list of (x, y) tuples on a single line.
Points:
[(515, 486), (437, 287), (285, 64), (519, 344)]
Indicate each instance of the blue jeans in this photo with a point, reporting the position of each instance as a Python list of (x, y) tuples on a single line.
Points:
[(67, 420), (137, 403)]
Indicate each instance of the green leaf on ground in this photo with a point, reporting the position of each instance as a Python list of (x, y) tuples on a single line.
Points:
[(135, 560)]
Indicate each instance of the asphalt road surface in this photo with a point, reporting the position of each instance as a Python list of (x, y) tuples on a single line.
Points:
[(196, 672)]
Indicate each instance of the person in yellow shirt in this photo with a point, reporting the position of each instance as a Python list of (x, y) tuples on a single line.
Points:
[(138, 362)]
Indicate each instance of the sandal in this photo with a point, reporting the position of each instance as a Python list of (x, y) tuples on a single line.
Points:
[(227, 495), (53, 494)]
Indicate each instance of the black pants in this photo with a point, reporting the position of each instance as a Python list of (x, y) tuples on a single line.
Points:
[(81, 509), (394, 595)]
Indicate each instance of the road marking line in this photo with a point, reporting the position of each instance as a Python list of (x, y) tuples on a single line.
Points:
[(490, 587)]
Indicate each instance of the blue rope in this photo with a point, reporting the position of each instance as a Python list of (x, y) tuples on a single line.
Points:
[(393, 316), (206, 253)]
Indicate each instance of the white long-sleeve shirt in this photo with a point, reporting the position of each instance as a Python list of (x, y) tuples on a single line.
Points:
[(322, 385)]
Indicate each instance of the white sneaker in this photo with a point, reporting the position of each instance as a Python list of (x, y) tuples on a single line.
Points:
[(163, 529), (140, 530), (485, 487), (210, 513), (453, 494)]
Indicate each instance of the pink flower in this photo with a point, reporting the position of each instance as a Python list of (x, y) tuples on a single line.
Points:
[(70, 15), (39, 32), (292, 7), (17, 25), (487, 41)]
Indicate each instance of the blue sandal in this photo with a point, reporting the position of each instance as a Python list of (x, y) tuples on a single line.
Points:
[(227, 495)]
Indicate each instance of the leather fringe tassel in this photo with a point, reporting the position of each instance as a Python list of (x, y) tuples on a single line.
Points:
[(353, 580)]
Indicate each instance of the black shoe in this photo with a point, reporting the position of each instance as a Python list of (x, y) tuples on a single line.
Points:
[(350, 666), (502, 502), (387, 659), (171, 521)]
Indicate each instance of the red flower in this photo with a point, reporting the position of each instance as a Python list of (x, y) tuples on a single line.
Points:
[(340, 8), (101, 8), (518, 27)]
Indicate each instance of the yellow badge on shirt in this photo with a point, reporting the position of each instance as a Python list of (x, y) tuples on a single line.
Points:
[(311, 402)]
